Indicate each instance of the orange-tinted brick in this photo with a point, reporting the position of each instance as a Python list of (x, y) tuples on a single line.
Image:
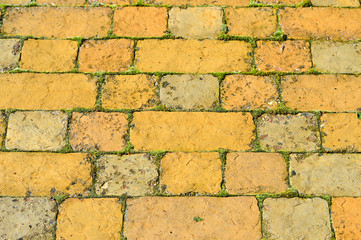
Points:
[(253, 22), (346, 217), (44, 174), (114, 55), (191, 131), (281, 2), (62, 2), (140, 21), (110, 2), (192, 56), (249, 92), (32, 91), (98, 131), (60, 22), (289, 56), (325, 23), (201, 2), (15, 2), (322, 92), (49, 55)]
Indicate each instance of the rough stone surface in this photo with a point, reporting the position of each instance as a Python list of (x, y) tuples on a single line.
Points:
[(30, 218), (98, 131), (201, 2), (246, 92), (134, 175), (255, 173), (327, 174), (53, 91), (110, 2), (10, 54), (280, 2), (346, 217), (191, 172), (335, 93), (44, 174), (140, 21), (337, 57), (196, 23), (295, 133), (296, 218), (191, 131), (252, 22), (336, 3), (61, 22), (192, 56), (91, 219), (167, 218), (62, 2), (2, 126), (129, 91), (288, 56), (48, 55), (36, 130), (114, 55), (341, 131), (189, 91), (321, 23), (15, 2)]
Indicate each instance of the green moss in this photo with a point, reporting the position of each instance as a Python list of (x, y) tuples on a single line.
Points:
[(198, 219)]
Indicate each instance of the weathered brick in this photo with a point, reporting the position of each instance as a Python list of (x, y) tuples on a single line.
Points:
[(326, 174), (53, 91), (255, 173), (134, 175), (192, 56), (62, 2), (336, 3), (49, 55), (346, 217), (9, 54), (129, 91), (191, 131), (60, 22), (44, 174), (15, 2), (2, 127), (202, 217), (140, 21), (36, 130), (189, 91), (191, 172), (341, 131), (336, 57), (296, 218), (198, 23), (289, 56), (92, 219), (249, 92), (253, 22), (322, 92), (111, 2), (201, 2), (114, 55), (98, 131), (325, 23), (295, 133), (280, 2), (30, 218)]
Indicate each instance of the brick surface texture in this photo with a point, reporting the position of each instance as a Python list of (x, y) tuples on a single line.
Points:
[(180, 119)]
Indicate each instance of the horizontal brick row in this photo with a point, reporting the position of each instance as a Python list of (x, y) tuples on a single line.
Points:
[(221, 218)]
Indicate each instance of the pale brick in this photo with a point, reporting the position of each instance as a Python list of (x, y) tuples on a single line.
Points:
[(336, 3), (113, 55), (189, 91), (140, 21), (130, 91), (295, 133), (9, 54), (44, 174), (296, 218), (134, 175), (36, 130), (191, 131), (255, 173), (49, 55), (201, 2), (245, 92), (288, 56), (198, 23), (322, 92), (60, 22), (192, 56), (91, 219), (31, 91), (191, 172), (15, 2), (167, 218), (346, 218)]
